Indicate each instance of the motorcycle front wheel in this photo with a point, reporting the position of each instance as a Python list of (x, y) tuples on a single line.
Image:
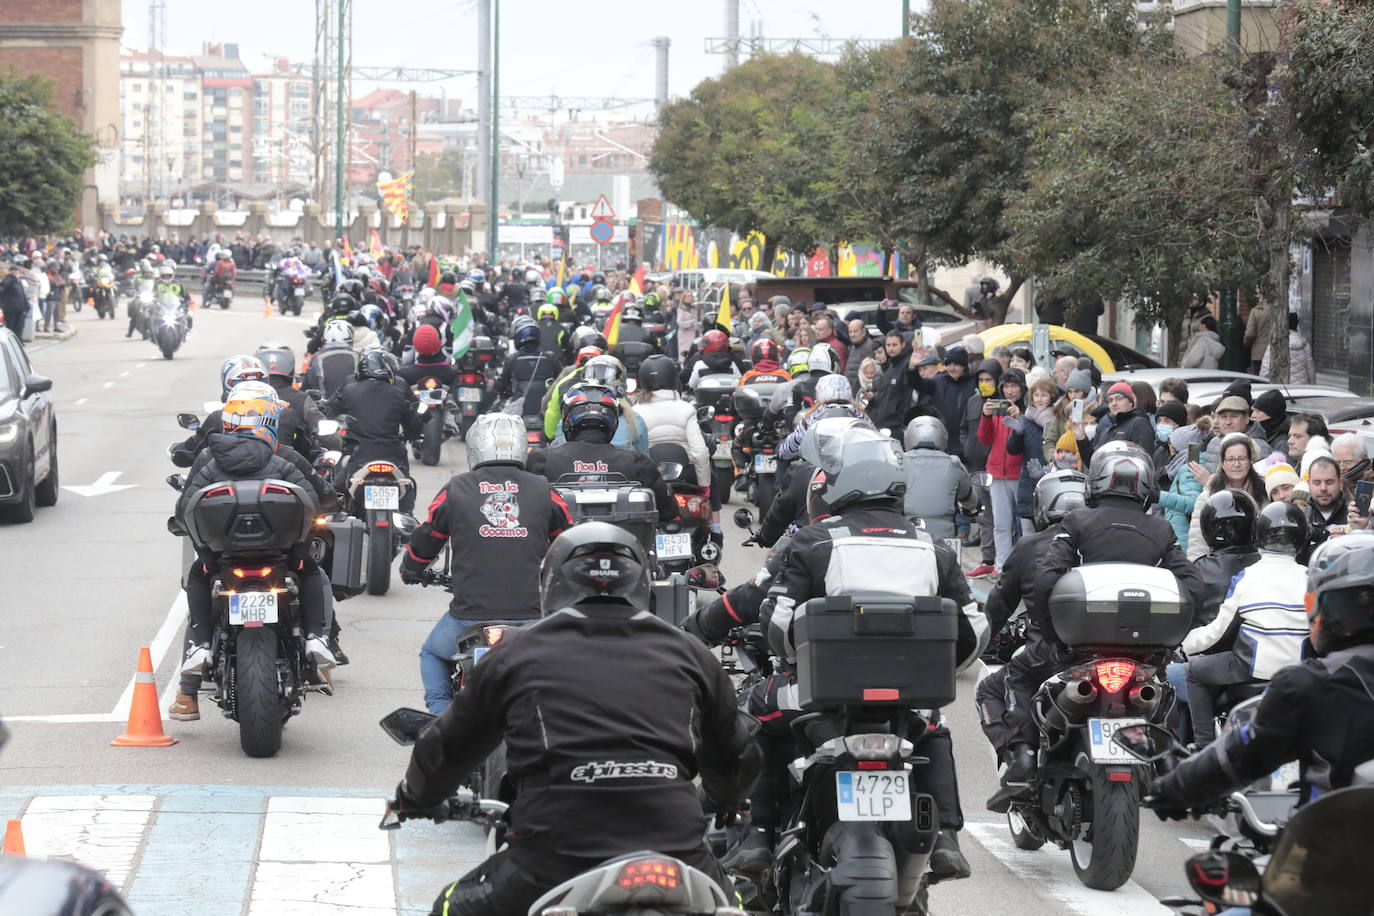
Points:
[(1104, 857), (766, 489), (256, 698)]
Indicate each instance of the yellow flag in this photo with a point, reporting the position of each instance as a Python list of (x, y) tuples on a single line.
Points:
[(723, 316)]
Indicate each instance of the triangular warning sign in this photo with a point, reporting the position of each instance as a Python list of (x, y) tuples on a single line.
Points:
[(603, 210)]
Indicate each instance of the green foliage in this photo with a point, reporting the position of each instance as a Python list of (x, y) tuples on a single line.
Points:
[(1140, 188), (1329, 91), (438, 175), (42, 158)]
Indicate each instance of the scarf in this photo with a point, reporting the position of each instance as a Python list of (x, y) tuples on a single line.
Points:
[(1040, 416), (1356, 471)]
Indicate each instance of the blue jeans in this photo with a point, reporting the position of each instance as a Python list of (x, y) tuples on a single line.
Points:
[(437, 655), (1177, 676)]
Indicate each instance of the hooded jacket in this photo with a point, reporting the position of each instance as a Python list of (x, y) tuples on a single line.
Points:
[(975, 450), (673, 421), (226, 457), (1205, 351), (995, 432)]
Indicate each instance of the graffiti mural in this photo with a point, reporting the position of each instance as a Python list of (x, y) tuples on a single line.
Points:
[(682, 246)]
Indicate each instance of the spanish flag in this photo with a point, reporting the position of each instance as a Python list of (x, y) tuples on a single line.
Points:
[(723, 316), (377, 250), (396, 194), (637, 281), (433, 280), (613, 324)]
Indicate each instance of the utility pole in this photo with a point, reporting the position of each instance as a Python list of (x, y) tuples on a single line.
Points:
[(732, 34), (341, 154), (484, 98), (661, 45), (1233, 27), (414, 126), (494, 213), (906, 18)]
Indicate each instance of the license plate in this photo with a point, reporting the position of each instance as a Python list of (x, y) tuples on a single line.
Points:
[(873, 796), (469, 394), (676, 546), (248, 609), (382, 498), (766, 464), (299, 292), (1100, 745), (478, 652)]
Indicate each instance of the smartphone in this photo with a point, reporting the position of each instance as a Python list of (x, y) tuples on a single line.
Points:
[(1195, 452), (1076, 411), (1364, 489)]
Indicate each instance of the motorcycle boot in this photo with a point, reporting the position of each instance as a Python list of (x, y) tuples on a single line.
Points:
[(752, 855), (947, 860), (1015, 778), (185, 708)]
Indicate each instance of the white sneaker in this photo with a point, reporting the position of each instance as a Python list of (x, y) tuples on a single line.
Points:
[(196, 660), (317, 649)]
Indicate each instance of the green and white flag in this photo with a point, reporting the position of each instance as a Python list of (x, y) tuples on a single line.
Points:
[(460, 327)]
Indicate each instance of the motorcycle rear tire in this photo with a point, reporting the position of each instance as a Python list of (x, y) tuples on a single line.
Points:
[(722, 478), (1021, 834), (378, 560), (1106, 862), (256, 698), (433, 439), (767, 488)]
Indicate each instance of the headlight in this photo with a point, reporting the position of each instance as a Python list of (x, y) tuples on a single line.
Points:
[(8, 432)]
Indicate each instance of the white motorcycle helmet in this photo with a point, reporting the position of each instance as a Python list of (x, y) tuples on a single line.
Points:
[(338, 331), (496, 438), (823, 358)]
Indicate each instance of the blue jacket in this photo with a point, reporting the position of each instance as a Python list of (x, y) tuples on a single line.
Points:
[(1178, 502)]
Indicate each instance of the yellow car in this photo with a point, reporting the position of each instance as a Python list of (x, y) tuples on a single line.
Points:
[(1009, 335)]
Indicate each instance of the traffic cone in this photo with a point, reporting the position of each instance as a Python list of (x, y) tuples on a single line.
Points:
[(267, 310), (14, 838), (145, 719)]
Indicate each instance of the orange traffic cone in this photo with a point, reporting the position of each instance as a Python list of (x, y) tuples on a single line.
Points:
[(14, 838), (145, 719), (267, 310)]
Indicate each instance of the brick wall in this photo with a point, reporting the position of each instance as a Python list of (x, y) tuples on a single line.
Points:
[(61, 65), (40, 10)]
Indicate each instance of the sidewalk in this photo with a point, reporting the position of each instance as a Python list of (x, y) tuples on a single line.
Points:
[(66, 334)]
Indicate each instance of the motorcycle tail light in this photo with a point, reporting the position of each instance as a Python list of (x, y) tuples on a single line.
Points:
[(1113, 675), (532, 437), (262, 573), (431, 383), (648, 872), (273, 488), (872, 747), (381, 467), (873, 764), (493, 635), (226, 490), (694, 506)]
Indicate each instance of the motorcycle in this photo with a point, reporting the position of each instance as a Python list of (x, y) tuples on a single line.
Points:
[(684, 542), (761, 447), (432, 407), (1085, 794), (103, 294), (141, 303), (45, 886), (220, 292), (374, 495), (716, 412), (638, 884), (258, 660), (167, 324), (291, 293), (473, 393)]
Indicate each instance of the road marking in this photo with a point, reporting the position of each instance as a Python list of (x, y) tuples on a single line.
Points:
[(103, 486), (1196, 843), (1051, 873), (80, 401), (138, 366), (317, 854), (109, 384), (103, 832), (171, 625)]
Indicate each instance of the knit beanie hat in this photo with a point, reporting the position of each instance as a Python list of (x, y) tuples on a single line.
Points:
[(1124, 389), (1279, 475), (1067, 442), (1081, 380), (426, 340)]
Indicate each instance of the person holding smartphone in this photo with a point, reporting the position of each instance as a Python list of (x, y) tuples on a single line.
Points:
[(1001, 423)]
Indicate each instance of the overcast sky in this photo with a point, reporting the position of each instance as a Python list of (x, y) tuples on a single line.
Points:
[(569, 47)]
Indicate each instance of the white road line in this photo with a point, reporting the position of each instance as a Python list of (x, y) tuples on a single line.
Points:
[(124, 375), (109, 384), (172, 625), (1196, 843), (323, 855), (139, 366), (80, 401), (1050, 872), (103, 832)]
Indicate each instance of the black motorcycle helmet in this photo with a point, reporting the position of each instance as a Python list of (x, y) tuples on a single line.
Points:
[(352, 287), (658, 373), (377, 364), (590, 407), (449, 277), (594, 561), (342, 304), (588, 337), (1229, 519), (1056, 495), (278, 359), (1282, 528)]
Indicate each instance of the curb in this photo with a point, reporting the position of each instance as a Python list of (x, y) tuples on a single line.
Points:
[(68, 334)]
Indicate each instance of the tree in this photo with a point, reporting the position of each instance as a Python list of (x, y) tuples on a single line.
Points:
[(1141, 187), (42, 159), (438, 175), (754, 151)]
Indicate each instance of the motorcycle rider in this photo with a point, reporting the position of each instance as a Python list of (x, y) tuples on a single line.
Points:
[(1261, 619), (289, 270), (854, 502), (292, 428), (799, 394), (527, 374), (670, 419), (222, 275), (1319, 712), (1229, 524), (335, 362), (248, 450), (146, 279), (430, 360), (552, 337), (552, 405), (632, 432), (383, 415), (167, 284), (715, 357), (937, 485), (280, 364), (496, 515), (578, 803), (591, 413), (1114, 529)]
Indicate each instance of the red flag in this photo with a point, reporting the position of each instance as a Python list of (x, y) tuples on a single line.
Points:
[(433, 281), (637, 281)]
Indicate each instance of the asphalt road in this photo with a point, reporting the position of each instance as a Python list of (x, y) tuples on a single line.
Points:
[(199, 827)]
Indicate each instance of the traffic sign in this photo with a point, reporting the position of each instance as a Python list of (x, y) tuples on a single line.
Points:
[(602, 231), (603, 209)]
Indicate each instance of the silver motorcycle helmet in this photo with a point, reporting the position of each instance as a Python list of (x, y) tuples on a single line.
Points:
[(860, 464), (925, 432), (496, 438)]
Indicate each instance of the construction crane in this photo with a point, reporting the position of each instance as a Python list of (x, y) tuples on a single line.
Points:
[(818, 47), (401, 74)]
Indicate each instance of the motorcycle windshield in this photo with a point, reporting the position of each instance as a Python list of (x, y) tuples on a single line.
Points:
[(1321, 863)]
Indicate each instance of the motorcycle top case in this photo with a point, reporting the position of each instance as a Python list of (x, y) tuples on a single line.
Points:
[(630, 507), (1119, 604), (752, 400), (670, 600), (243, 516), (852, 651), (715, 387)]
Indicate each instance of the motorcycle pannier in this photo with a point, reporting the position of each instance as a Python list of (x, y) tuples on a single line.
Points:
[(346, 558), (853, 651), (670, 599), (752, 399), (1119, 604), (246, 516), (619, 502)]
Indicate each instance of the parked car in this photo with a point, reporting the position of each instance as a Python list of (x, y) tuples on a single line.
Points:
[(1106, 354), (1342, 414), (28, 435), (1206, 386), (947, 326), (1153, 377)]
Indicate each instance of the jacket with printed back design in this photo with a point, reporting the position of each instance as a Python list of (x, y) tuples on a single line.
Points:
[(1263, 619), (874, 553), (591, 457), (498, 521)]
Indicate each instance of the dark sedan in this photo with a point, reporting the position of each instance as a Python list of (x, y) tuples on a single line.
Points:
[(28, 435)]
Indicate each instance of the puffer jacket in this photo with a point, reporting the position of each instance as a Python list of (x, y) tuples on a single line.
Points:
[(1262, 618), (1178, 503), (673, 421)]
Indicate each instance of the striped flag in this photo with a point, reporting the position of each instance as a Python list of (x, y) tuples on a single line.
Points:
[(461, 326), (613, 324), (396, 194), (563, 267), (723, 316), (432, 281), (377, 250), (637, 281)]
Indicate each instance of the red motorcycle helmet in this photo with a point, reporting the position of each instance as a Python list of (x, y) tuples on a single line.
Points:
[(714, 341), (587, 353), (427, 341), (764, 348)]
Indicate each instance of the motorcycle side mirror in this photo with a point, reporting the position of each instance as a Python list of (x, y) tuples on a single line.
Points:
[(744, 519), (404, 725), (404, 525), (176, 481), (307, 331), (705, 576), (188, 421), (1148, 741), (705, 412), (327, 427), (1226, 879), (670, 470)]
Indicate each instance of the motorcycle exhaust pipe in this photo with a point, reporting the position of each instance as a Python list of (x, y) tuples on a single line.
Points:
[(1080, 691), (1144, 696), (1071, 703)]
